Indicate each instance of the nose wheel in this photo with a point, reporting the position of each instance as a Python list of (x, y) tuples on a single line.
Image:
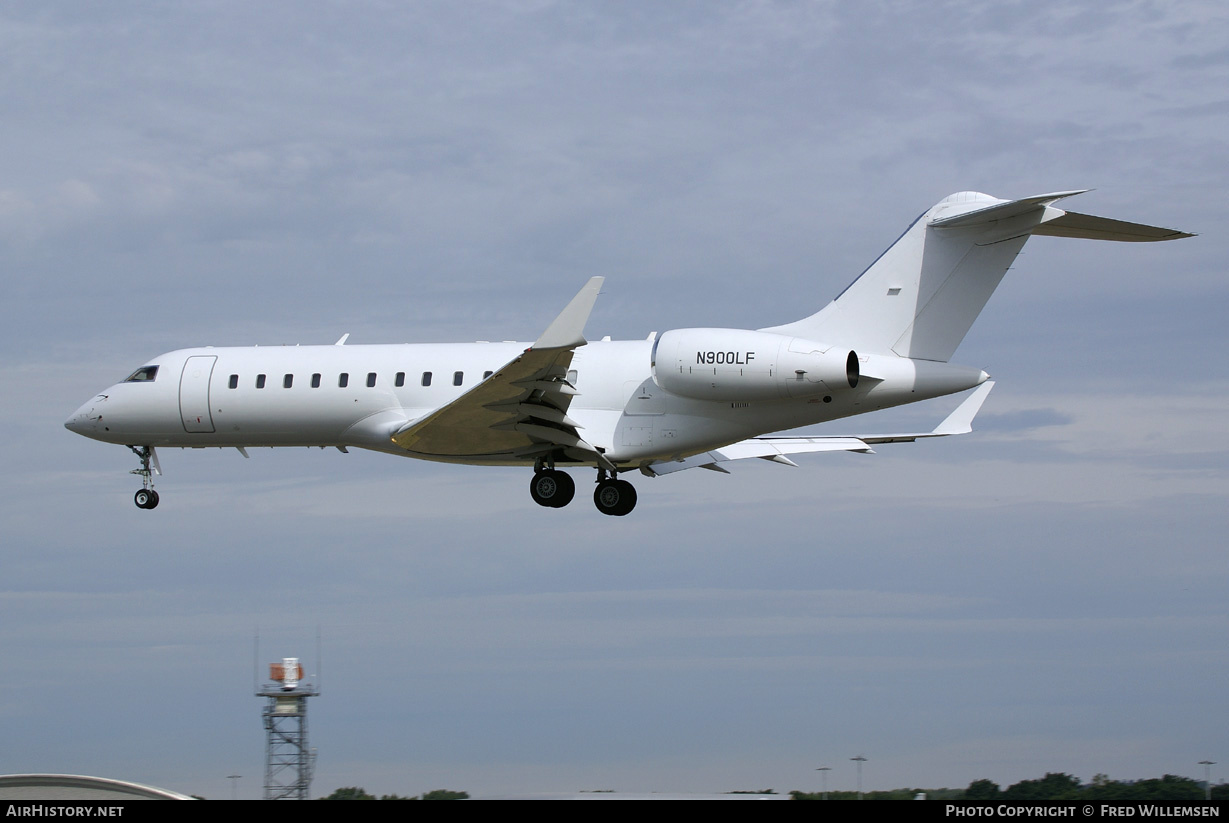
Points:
[(146, 497)]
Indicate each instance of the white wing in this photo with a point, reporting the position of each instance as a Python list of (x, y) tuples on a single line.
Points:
[(775, 449), (520, 411)]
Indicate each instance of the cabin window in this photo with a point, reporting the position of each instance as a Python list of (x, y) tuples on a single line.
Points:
[(343, 380), (234, 381), (142, 375), (260, 381), (487, 374), (287, 381), (371, 380), (426, 378), (457, 377), (400, 381), (316, 380)]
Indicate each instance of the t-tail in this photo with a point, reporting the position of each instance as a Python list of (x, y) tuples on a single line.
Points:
[(920, 298)]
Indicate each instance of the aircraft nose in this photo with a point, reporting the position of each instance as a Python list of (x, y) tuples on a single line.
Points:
[(85, 419), (78, 422)]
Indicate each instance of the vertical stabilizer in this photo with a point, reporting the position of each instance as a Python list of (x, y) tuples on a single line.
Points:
[(920, 298)]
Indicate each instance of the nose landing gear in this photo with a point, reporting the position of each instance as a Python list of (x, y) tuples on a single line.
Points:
[(146, 497)]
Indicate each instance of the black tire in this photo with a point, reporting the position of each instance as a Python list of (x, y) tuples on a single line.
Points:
[(552, 488), (614, 497), (567, 489), (144, 499), (153, 499)]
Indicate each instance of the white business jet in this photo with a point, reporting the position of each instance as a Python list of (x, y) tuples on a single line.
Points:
[(689, 398)]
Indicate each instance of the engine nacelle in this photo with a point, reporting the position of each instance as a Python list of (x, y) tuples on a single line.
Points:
[(739, 364)]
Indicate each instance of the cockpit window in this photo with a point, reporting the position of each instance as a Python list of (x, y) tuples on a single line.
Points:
[(145, 374)]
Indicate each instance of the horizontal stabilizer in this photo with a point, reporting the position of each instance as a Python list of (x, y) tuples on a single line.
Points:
[(1091, 227)]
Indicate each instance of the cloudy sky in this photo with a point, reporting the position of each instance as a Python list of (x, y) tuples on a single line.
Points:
[(1047, 594)]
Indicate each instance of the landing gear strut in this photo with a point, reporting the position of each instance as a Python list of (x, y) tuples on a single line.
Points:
[(613, 496), (146, 497)]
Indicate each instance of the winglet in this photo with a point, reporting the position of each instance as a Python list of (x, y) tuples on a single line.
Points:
[(567, 330), (961, 420)]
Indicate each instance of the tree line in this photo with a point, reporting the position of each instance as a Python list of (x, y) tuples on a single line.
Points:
[(1055, 786), (358, 793)]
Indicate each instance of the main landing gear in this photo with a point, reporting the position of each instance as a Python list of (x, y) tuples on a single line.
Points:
[(146, 497), (555, 489), (552, 488), (613, 496)]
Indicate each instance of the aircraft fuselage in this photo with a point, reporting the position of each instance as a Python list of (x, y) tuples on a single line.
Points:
[(355, 396)]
